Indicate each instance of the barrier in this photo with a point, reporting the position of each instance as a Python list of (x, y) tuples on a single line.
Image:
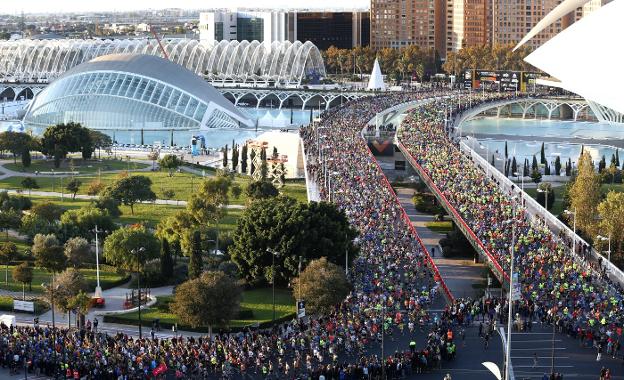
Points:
[(535, 209), (434, 267), (475, 241)]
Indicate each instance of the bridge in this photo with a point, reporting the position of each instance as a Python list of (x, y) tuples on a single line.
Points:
[(275, 98)]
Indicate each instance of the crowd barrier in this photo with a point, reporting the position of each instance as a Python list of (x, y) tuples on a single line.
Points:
[(459, 220)]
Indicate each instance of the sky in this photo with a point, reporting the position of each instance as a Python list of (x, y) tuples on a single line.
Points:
[(50, 6)]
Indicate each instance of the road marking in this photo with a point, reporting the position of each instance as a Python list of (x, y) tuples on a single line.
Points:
[(535, 341), (540, 357), (544, 366), (529, 349)]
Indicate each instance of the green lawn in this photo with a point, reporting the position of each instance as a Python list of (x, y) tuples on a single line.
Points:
[(182, 184), (107, 279), (6, 304), (259, 301), (79, 165), (440, 227), (20, 244)]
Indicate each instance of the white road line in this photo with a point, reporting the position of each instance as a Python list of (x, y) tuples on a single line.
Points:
[(540, 357), (544, 366), (535, 341), (535, 349)]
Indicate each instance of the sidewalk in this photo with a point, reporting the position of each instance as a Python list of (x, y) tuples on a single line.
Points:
[(459, 274)]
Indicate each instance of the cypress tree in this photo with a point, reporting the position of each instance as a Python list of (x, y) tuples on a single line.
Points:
[(558, 166), (196, 263), (493, 161), (244, 159), (252, 168), (234, 157), (26, 158), (225, 156), (543, 155), (514, 165), (506, 152), (534, 164), (617, 157), (166, 261)]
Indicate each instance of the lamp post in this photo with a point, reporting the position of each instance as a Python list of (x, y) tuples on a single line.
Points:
[(545, 191), (573, 213), (517, 174), (98, 288), (138, 253), (606, 238), (510, 297), (273, 254)]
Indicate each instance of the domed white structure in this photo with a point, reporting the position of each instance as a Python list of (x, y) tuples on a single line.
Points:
[(133, 91)]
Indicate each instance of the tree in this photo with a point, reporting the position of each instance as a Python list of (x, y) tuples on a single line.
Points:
[(73, 186), (260, 190), (506, 151), (585, 193), (525, 168), (153, 156), (602, 164), (210, 300), (236, 190), (234, 157), (542, 155), (32, 224), (49, 253), (611, 210), (170, 162), (224, 151), (82, 222), (166, 260), (569, 167), (322, 285), (49, 211), (26, 159), (100, 141), (68, 284), (196, 262), (118, 247), (9, 220), (16, 143), (534, 165), (546, 169), (77, 250), (23, 273), (29, 183), (80, 304), (14, 202), (244, 159), (106, 203), (130, 190), (208, 204), (8, 253), (293, 229), (61, 139), (558, 166), (168, 194), (174, 228), (514, 166), (536, 176), (95, 187)]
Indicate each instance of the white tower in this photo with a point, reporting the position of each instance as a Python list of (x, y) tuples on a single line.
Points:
[(376, 79)]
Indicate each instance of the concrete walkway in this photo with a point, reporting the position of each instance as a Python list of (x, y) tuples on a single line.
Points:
[(459, 274)]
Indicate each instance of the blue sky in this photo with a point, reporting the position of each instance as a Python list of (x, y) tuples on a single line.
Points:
[(16, 6)]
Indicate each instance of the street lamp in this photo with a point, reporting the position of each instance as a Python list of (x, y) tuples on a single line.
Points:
[(545, 191), (573, 213), (273, 254), (138, 253), (608, 238), (332, 174), (98, 288), (517, 174)]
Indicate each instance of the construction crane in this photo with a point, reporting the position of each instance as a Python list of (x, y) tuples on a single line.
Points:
[(162, 48)]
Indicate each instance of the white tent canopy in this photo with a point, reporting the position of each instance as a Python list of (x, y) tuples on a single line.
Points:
[(376, 79)]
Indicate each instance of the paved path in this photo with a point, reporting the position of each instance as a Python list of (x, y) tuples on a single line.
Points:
[(458, 274), (6, 172)]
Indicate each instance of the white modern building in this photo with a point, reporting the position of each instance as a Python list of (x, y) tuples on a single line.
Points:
[(237, 26)]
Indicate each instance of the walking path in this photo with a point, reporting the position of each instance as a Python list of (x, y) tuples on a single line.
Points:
[(459, 274)]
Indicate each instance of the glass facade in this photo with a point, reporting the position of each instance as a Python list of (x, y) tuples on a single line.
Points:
[(115, 99), (249, 29)]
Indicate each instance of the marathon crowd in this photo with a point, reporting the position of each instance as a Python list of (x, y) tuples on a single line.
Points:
[(393, 285), (557, 285)]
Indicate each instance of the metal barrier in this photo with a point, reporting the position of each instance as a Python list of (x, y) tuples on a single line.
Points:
[(459, 220), (537, 210), (437, 276)]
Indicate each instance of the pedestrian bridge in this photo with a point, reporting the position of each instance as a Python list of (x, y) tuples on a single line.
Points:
[(255, 97)]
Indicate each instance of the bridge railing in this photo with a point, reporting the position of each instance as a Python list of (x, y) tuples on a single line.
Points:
[(535, 209), (460, 222), (438, 277)]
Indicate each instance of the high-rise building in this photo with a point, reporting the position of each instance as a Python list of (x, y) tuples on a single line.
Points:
[(469, 23), (398, 23), (588, 8), (343, 29), (513, 19)]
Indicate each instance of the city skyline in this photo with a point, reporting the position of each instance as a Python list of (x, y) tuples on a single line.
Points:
[(41, 6)]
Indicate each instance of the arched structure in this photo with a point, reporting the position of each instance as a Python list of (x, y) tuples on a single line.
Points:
[(133, 91), (223, 62)]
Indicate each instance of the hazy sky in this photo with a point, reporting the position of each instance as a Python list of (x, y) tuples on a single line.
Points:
[(16, 6)]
